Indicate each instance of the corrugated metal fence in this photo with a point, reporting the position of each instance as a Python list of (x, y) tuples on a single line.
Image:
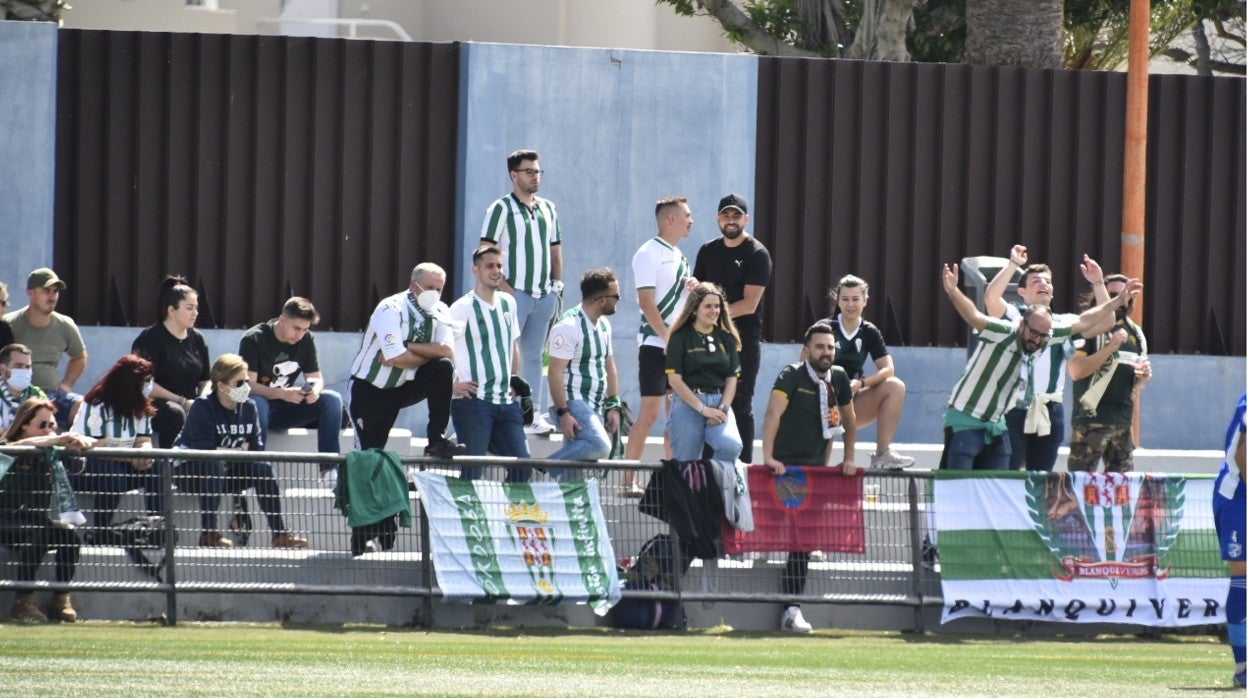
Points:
[(886, 170), (263, 166), (257, 165)]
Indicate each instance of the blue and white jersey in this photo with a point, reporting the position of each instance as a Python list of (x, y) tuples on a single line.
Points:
[(1229, 485)]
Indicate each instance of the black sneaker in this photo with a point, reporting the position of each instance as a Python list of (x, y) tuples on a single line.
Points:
[(241, 524), (445, 448), (930, 554)]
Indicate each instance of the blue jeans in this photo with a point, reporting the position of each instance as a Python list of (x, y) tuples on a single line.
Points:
[(483, 427), (689, 430), (591, 443), (108, 480), (325, 414), (535, 316), (1039, 452), (211, 479), (966, 450), (64, 406)]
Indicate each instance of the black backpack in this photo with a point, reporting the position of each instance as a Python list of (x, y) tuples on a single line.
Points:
[(658, 567), (135, 535)]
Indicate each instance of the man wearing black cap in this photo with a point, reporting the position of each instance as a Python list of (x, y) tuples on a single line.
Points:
[(50, 334), (740, 264)]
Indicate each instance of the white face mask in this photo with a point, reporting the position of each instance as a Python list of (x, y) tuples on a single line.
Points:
[(428, 300), (147, 388), (240, 393), (20, 377)]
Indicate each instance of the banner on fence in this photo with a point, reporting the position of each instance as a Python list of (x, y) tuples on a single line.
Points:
[(516, 543), (1079, 547), (803, 510)]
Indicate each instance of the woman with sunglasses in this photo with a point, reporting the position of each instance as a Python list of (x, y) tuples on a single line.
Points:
[(702, 368), (179, 356), (226, 419), (117, 413), (26, 487)]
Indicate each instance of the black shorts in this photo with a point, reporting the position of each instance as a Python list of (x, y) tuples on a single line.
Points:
[(652, 371)]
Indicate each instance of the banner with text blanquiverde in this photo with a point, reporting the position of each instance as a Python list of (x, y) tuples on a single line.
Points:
[(516, 543), (1079, 547)]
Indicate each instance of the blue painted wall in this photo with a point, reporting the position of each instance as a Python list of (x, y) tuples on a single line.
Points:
[(27, 150)]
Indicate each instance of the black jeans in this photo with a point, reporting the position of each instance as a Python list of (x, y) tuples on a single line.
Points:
[(373, 410)]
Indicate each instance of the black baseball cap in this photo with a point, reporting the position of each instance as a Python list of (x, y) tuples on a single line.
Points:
[(733, 201)]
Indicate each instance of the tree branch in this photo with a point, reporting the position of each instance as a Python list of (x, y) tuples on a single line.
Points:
[(741, 28)]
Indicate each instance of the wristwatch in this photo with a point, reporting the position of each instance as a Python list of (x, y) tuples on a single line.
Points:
[(560, 411)]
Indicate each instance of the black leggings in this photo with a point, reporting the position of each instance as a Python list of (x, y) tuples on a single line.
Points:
[(30, 540)]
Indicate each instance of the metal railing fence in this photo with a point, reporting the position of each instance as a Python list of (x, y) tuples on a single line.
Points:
[(174, 560)]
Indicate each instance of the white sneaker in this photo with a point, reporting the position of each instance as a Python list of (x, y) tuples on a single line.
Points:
[(891, 460), (817, 556), (329, 479), (540, 426), (792, 621)]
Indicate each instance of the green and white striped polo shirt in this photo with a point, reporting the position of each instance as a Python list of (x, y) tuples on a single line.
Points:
[(9, 402), (395, 322), (483, 350), (100, 422), (585, 346), (662, 267), (1050, 368), (525, 236), (993, 374)]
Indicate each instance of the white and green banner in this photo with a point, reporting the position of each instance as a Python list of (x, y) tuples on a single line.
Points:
[(1079, 548), (538, 544)]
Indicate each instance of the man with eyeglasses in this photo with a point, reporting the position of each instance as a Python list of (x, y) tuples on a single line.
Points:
[(741, 265), (584, 385), (50, 334), (1037, 420), (6, 332), (277, 352), (15, 385), (975, 430), (526, 228), (405, 359)]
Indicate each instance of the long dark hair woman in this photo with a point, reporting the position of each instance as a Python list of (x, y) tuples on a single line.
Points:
[(26, 486), (179, 356), (702, 368), (117, 413)]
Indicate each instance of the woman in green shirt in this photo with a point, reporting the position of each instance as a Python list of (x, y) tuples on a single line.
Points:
[(702, 369)]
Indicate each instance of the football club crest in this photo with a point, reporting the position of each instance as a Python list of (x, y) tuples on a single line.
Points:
[(533, 538), (1108, 526)]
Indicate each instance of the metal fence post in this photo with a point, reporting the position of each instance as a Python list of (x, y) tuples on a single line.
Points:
[(916, 553), (171, 596)]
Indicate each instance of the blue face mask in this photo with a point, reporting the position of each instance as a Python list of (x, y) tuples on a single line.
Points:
[(20, 378)]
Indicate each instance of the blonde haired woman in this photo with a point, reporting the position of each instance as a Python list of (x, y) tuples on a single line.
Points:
[(226, 419)]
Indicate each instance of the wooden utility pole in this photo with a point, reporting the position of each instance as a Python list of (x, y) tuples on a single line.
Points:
[(1134, 164), (1135, 150)]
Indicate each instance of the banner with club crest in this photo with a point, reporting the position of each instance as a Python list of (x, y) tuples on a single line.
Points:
[(1079, 547), (543, 543)]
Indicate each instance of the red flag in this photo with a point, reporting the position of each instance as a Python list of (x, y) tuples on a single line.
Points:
[(806, 509)]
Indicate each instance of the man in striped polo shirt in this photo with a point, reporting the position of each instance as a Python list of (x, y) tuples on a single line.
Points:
[(975, 418), (487, 354), (662, 277), (583, 380), (405, 358), (525, 227), (1038, 424)]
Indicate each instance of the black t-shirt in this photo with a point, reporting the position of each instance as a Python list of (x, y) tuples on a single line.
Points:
[(276, 363), (180, 364), (852, 351), (734, 268), (6, 334)]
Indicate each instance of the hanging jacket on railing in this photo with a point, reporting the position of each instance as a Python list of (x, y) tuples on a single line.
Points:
[(373, 488), (687, 497)]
